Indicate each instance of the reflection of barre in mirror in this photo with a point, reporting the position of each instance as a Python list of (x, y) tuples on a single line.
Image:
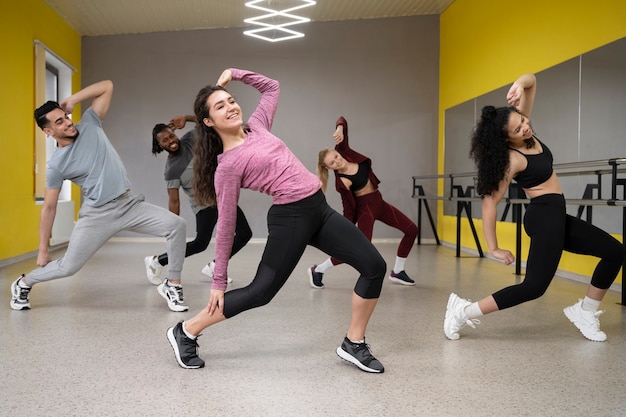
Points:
[(583, 112), (274, 16), (612, 170)]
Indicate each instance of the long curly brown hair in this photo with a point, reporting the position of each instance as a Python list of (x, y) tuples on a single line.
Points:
[(208, 146), (489, 148)]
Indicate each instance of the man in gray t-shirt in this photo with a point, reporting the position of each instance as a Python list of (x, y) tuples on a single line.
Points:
[(179, 174), (85, 156)]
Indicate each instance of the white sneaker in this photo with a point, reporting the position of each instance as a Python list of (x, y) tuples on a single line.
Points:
[(19, 295), (153, 270), (586, 321), (208, 271), (456, 317), (173, 294)]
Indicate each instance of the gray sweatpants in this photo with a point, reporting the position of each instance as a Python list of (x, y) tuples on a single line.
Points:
[(96, 225)]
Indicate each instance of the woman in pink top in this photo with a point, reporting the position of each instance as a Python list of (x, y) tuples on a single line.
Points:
[(231, 155)]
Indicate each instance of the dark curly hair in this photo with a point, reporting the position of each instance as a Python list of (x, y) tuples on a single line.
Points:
[(158, 128), (208, 146), (489, 148)]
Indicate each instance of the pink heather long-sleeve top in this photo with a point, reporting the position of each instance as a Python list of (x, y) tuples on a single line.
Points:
[(262, 163)]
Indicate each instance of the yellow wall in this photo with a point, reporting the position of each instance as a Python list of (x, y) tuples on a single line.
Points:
[(486, 44), (21, 22)]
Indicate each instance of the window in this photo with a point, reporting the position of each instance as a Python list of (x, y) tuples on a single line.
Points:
[(53, 81)]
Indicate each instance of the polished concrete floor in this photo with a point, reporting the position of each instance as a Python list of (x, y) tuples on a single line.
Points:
[(94, 345)]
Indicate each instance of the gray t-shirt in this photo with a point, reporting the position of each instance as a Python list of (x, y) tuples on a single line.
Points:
[(179, 169), (90, 162)]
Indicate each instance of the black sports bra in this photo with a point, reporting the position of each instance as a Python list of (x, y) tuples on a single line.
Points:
[(360, 179), (538, 169)]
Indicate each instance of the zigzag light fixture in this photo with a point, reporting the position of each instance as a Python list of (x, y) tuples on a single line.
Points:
[(272, 15)]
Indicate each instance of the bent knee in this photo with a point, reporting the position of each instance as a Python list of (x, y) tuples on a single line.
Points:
[(530, 293)]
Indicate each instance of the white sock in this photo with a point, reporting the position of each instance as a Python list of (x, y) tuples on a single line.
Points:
[(472, 311), (589, 304), (189, 335), (357, 341), (399, 267), (325, 266), (22, 283)]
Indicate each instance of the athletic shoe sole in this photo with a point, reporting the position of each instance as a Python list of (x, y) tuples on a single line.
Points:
[(349, 358), (399, 281), (450, 316)]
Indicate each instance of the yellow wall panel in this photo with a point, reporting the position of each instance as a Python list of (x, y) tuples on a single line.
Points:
[(486, 44), (21, 23)]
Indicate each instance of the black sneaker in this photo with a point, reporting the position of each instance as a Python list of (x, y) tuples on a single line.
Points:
[(401, 278), (315, 278), (185, 349), (19, 295), (360, 355)]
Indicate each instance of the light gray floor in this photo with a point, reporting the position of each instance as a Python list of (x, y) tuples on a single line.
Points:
[(94, 345)]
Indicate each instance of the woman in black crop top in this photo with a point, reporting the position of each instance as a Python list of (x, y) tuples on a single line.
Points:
[(505, 148), (362, 202)]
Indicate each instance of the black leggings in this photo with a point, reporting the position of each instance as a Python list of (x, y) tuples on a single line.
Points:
[(205, 223), (552, 231), (291, 228)]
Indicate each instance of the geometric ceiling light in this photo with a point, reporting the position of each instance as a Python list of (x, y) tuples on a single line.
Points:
[(273, 25)]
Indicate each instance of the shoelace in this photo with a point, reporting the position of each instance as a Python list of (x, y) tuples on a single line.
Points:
[(364, 346), (596, 320), (192, 343), (23, 296), (472, 323), (175, 292)]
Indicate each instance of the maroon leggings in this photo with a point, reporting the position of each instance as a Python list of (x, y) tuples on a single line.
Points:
[(372, 207)]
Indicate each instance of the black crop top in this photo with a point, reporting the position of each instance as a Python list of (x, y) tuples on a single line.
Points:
[(538, 169), (359, 180)]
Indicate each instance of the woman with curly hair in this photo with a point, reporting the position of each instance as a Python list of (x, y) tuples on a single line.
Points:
[(505, 148), (362, 202), (231, 155)]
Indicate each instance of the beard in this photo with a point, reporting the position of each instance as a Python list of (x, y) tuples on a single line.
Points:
[(72, 137)]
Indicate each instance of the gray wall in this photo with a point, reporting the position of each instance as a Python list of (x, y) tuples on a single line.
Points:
[(579, 112), (382, 75)]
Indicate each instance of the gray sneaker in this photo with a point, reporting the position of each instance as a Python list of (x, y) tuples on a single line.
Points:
[(19, 295), (185, 349), (360, 355), (173, 294)]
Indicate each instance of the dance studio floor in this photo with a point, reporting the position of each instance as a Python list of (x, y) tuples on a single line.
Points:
[(94, 345)]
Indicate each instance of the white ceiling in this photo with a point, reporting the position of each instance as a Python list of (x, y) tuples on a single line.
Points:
[(116, 17)]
